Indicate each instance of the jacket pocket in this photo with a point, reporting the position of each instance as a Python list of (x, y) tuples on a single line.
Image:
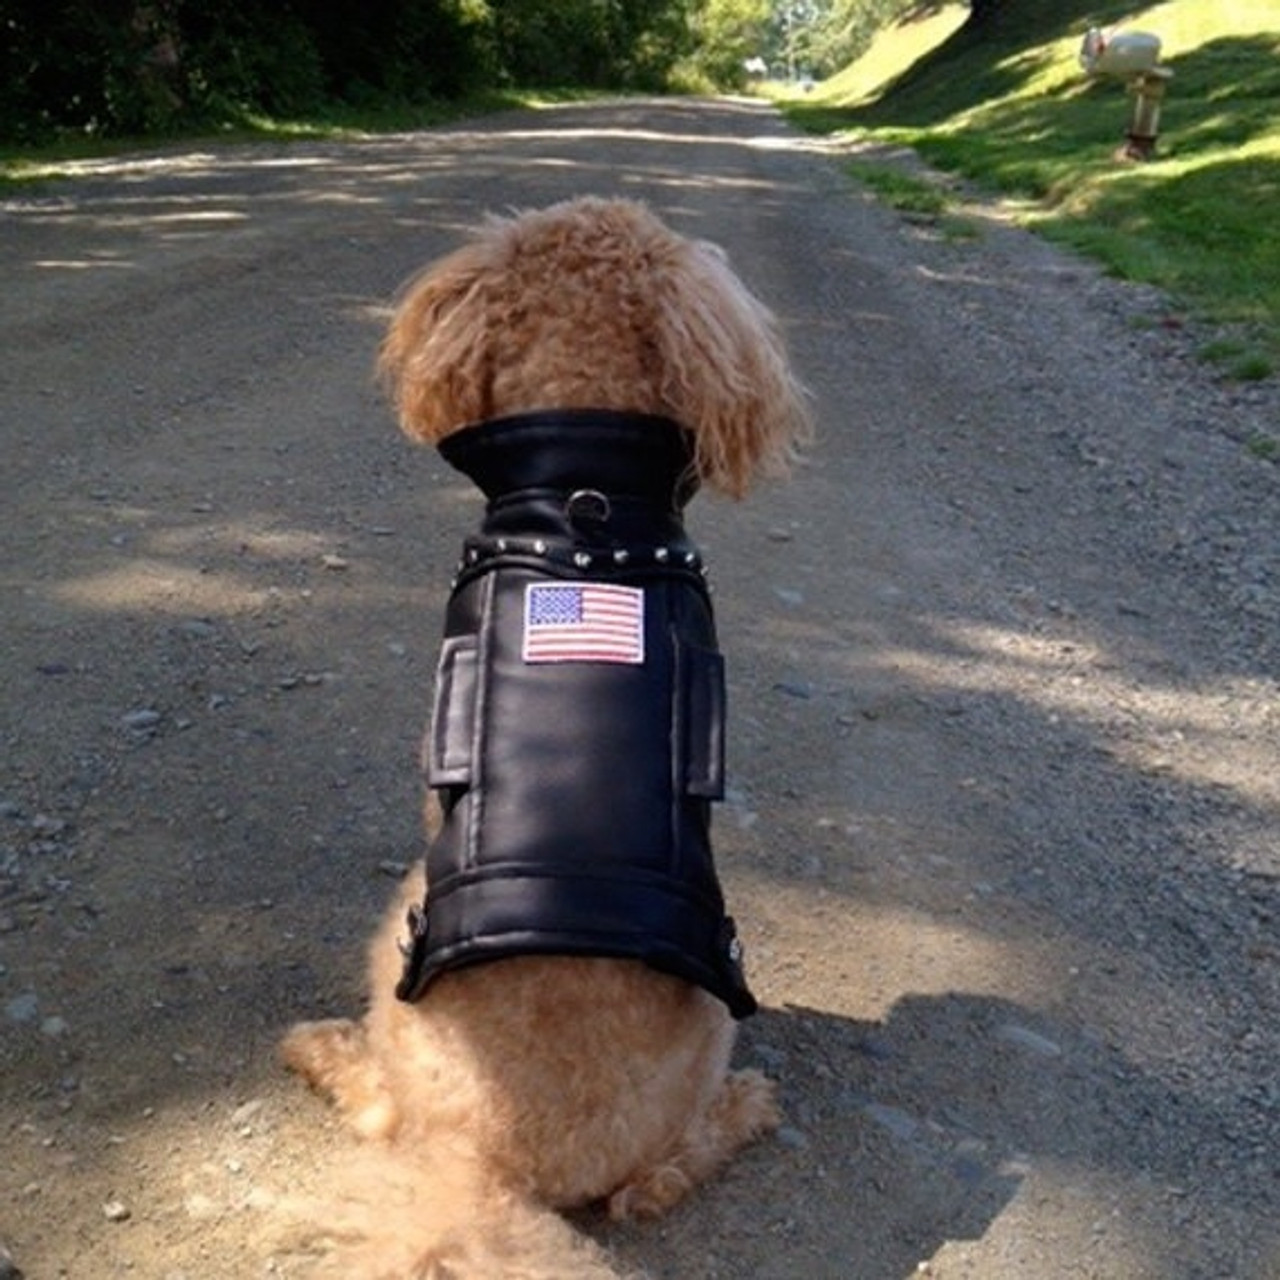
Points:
[(704, 715), (447, 751)]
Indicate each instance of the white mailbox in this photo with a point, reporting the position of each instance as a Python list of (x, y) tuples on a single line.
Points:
[(1122, 54), (1132, 56)]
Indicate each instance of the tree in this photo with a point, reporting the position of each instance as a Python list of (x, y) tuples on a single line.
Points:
[(147, 66), (820, 37), (618, 43), (726, 34), (89, 65)]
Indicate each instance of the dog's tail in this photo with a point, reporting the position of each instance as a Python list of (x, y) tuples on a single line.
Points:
[(396, 1219)]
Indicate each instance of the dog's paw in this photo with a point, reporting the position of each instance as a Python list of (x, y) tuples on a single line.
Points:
[(746, 1107), (333, 1057), (651, 1195), (316, 1050)]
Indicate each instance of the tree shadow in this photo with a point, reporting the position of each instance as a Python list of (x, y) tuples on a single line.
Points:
[(1231, 70), (914, 1134)]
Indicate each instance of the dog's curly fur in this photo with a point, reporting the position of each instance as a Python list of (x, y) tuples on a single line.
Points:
[(528, 1084)]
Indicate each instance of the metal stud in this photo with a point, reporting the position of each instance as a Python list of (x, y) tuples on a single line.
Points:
[(690, 558), (662, 555), (621, 556), (472, 555), (582, 560), (540, 548), (502, 544)]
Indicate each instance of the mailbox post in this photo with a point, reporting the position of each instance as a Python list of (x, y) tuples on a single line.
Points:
[(1132, 56), (1144, 127)]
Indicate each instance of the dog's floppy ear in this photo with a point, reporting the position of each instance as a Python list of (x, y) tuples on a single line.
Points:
[(434, 359), (725, 370)]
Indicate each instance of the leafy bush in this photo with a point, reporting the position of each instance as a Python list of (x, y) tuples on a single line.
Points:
[(113, 67)]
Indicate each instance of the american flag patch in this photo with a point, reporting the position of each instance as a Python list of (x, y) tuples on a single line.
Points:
[(583, 622)]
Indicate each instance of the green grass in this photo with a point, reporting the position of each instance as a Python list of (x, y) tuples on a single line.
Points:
[(920, 199), (895, 48), (1014, 112), (1265, 447), (1241, 361), (900, 190)]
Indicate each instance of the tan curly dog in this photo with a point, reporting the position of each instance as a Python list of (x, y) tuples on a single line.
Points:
[(504, 1090)]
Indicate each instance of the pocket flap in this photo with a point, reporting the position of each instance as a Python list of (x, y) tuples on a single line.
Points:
[(448, 749), (704, 723)]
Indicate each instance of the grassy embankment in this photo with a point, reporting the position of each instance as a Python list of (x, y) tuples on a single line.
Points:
[(1011, 109)]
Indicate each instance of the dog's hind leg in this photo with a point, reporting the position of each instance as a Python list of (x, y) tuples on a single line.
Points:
[(333, 1057), (744, 1109)]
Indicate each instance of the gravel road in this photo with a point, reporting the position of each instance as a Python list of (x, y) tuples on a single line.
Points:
[(1003, 832)]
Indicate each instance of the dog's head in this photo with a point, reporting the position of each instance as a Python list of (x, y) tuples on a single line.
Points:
[(595, 304)]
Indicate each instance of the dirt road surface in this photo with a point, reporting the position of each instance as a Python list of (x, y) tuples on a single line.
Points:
[(1003, 826)]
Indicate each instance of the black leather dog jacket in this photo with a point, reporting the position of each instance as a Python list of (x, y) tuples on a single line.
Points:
[(576, 741)]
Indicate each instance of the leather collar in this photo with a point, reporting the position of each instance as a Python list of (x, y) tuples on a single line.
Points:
[(629, 456)]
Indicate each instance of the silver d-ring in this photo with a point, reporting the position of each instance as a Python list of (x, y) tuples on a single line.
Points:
[(588, 506)]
